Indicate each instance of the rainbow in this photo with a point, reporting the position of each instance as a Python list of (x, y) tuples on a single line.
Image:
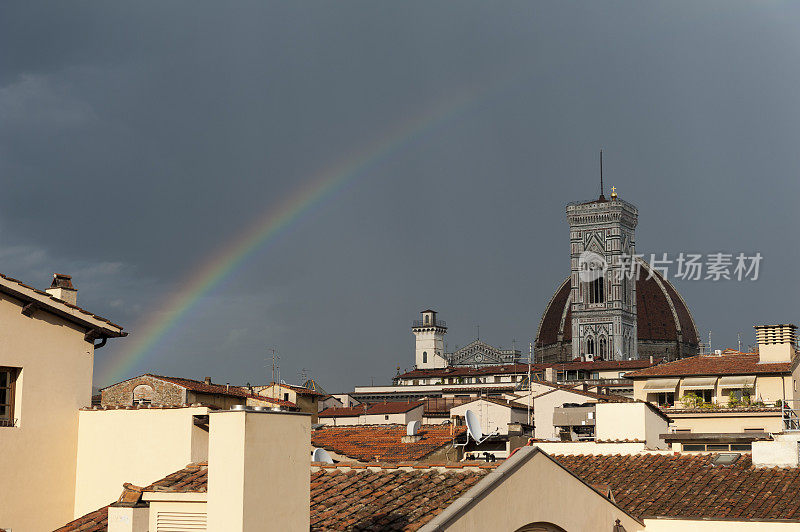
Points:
[(225, 261)]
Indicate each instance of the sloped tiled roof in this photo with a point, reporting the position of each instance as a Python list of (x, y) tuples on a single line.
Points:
[(739, 364), (393, 407), (385, 500), (217, 389), (605, 397), (191, 479), (53, 303), (382, 443), (298, 389), (97, 521), (522, 369), (342, 498), (690, 486)]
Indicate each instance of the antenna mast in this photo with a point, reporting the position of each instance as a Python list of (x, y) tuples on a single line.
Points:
[(530, 388), (601, 175)]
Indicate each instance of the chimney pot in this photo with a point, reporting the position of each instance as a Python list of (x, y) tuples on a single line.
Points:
[(62, 288)]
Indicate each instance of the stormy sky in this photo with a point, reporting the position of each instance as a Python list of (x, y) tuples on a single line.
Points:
[(140, 139)]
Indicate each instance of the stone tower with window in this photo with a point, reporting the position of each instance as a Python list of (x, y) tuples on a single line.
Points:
[(603, 302), (429, 332)]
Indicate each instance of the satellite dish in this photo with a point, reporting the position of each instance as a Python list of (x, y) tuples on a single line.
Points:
[(321, 455), (474, 426), (412, 428)]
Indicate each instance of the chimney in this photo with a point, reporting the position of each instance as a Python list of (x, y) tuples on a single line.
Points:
[(207, 380), (62, 288), (776, 343), (258, 471), (549, 374)]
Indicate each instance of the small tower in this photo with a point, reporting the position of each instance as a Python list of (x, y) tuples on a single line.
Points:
[(430, 331)]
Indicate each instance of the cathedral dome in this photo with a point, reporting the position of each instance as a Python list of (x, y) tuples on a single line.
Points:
[(665, 327)]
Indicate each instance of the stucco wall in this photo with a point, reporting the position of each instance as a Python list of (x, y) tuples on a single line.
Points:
[(543, 407), (630, 421), (721, 421), (492, 416), (256, 459), (686, 525), (137, 446), (37, 457), (768, 388), (515, 503)]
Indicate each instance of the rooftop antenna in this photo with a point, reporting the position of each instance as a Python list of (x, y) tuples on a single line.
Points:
[(478, 333), (710, 350), (474, 428), (530, 389), (601, 174)]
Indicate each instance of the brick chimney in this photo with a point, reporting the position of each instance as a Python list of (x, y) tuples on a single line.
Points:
[(776, 343), (62, 288), (258, 471)]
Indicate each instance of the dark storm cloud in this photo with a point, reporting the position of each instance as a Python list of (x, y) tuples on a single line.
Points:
[(137, 139)]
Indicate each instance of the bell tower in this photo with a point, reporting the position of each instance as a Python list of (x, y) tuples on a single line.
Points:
[(603, 297), (430, 331)]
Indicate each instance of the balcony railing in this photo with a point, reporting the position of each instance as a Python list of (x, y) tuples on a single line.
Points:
[(436, 323)]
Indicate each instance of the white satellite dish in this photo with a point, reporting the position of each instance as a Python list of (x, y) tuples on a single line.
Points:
[(474, 425), (412, 428), (321, 455)]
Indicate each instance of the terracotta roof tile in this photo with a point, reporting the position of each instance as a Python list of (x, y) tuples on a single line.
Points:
[(738, 364), (219, 389), (395, 407), (522, 369), (690, 486), (386, 497), (345, 498), (25, 287), (365, 442)]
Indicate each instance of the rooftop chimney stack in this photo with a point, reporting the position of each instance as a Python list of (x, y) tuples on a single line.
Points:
[(62, 288), (258, 467), (776, 343)]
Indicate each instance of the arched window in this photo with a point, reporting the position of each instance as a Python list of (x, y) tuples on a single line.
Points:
[(602, 347), (426, 319), (596, 291), (143, 395), (424, 357), (590, 346)]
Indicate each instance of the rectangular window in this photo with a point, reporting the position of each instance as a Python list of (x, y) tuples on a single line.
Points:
[(666, 399), (694, 447), (8, 379), (286, 397)]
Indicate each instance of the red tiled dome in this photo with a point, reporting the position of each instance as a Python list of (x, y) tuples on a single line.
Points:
[(662, 315)]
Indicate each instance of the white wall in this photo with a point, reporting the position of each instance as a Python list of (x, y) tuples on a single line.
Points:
[(137, 446), (543, 407), (687, 525), (630, 421), (492, 416)]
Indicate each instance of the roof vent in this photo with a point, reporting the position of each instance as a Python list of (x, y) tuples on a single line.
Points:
[(725, 459), (62, 288), (239, 408)]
